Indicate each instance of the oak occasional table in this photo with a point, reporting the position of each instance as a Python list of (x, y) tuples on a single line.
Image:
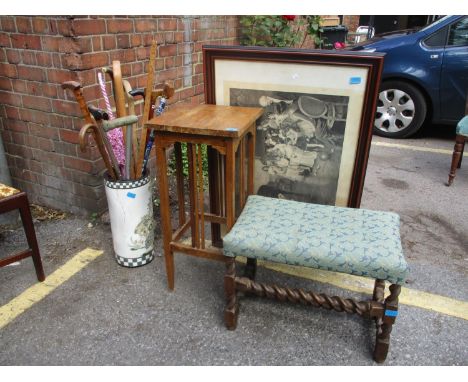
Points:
[(229, 134)]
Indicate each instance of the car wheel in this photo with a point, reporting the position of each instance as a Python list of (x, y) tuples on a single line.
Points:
[(401, 110)]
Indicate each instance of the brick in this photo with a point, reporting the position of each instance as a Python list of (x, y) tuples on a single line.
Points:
[(8, 70), (37, 103), (73, 45), (51, 44), (35, 116), (8, 23), (78, 164), (12, 112), (85, 27), (16, 125), (59, 76), (23, 24), (167, 24), (45, 144), (13, 56), (18, 138), (65, 148), (164, 75), (65, 27), (109, 42), (94, 60), (5, 84), (123, 41), (8, 98), (124, 56), (168, 50), (28, 58), (44, 59), (41, 25), (66, 108), (21, 41), (135, 40), (97, 43), (69, 136), (5, 40), (31, 73), (142, 26), (43, 131), (119, 26), (92, 93), (34, 88), (71, 61), (50, 91)]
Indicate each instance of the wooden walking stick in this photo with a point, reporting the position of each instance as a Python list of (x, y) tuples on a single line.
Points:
[(131, 111), (100, 141), (147, 106), (119, 97)]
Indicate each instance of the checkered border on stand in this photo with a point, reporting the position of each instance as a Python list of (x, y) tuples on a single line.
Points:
[(137, 262), (122, 185)]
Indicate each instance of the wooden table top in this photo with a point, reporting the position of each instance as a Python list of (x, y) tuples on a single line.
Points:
[(212, 120)]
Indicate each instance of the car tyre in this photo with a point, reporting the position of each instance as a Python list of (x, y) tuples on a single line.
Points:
[(401, 110)]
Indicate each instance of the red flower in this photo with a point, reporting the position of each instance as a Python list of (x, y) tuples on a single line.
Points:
[(289, 18)]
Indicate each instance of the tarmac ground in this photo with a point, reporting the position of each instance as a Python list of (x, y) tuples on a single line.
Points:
[(94, 312)]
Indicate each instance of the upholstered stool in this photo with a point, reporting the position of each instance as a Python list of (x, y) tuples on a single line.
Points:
[(353, 241), (12, 199), (460, 139)]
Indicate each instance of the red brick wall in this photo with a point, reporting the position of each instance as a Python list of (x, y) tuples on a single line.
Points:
[(39, 122)]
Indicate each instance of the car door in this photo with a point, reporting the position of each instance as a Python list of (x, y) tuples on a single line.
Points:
[(454, 75)]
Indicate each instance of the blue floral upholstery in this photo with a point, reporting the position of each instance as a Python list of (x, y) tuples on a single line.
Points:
[(354, 241), (462, 126)]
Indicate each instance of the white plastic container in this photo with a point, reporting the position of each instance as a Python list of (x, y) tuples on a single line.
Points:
[(131, 217)]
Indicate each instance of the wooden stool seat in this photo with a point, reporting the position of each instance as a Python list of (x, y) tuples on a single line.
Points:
[(12, 199)]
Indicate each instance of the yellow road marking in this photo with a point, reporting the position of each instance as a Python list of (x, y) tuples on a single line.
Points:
[(412, 297), (415, 148), (37, 292)]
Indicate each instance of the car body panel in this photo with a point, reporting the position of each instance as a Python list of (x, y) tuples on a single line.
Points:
[(441, 72)]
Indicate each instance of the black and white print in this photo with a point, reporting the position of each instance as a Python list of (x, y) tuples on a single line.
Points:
[(299, 143)]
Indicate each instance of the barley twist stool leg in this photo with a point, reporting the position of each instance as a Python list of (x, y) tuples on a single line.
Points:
[(382, 342), (232, 306)]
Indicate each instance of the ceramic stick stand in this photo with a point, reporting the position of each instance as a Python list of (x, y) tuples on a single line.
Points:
[(131, 216)]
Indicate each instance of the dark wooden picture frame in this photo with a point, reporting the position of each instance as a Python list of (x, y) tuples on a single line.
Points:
[(308, 76)]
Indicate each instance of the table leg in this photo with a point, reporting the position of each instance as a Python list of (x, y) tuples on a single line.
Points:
[(180, 182), (214, 193), (193, 192), (165, 213), (230, 182)]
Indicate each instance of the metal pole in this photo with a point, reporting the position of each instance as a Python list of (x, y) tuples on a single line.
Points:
[(370, 27)]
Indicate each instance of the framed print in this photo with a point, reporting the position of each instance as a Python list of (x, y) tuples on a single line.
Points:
[(313, 139)]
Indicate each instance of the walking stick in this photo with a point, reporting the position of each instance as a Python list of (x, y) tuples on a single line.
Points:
[(126, 121), (134, 137), (99, 138), (147, 106)]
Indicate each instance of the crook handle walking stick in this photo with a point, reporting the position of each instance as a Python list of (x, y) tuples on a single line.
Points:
[(77, 91)]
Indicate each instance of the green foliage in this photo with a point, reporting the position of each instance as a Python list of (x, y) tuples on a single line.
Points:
[(185, 164), (280, 31), (271, 31), (314, 29)]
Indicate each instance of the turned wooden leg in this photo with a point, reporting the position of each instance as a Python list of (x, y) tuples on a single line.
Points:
[(382, 342), (232, 307), (456, 157), (250, 268)]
